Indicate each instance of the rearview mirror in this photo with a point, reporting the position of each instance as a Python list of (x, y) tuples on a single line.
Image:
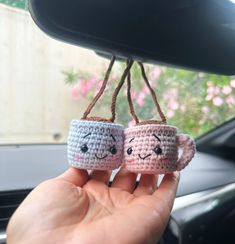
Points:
[(192, 34)]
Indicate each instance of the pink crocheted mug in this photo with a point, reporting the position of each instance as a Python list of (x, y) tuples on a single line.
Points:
[(95, 145), (154, 149)]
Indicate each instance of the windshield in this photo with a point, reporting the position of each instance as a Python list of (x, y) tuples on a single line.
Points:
[(46, 83)]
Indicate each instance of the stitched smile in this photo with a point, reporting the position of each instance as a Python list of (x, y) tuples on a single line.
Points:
[(101, 157), (145, 156)]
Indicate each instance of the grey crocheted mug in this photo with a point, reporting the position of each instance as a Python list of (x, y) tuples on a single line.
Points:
[(95, 145)]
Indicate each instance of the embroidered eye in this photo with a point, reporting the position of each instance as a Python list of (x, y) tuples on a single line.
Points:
[(129, 151), (113, 150), (84, 148), (157, 150)]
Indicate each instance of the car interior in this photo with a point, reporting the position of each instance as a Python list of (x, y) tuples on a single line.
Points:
[(185, 34)]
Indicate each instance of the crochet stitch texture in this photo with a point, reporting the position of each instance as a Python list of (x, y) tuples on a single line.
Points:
[(95, 145), (153, 149)]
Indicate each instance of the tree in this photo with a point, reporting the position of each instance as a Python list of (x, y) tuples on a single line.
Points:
[(195, 102)]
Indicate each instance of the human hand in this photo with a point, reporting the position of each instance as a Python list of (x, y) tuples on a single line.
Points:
[(80, 208)]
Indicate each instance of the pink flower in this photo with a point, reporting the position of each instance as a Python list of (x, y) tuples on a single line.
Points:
[(230, 100), (217, 101), (131, 123), (232, 83), (93, 81), (87, 85), (205, 110), (140, 99), (170, 113), (173, 105), (170, 94), (217, 90), (209, 97), (83, 87), (155, 74), (145, 90), (211, 90), (75, 93), (133, 94), (226, 90)]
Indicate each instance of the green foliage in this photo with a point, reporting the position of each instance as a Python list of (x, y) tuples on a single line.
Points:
[(193, 101), (71, 77), (23, 4)]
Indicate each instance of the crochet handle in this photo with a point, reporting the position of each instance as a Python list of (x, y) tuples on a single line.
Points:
[(102, 89), (188, 145), (154, 97), (129, 64)]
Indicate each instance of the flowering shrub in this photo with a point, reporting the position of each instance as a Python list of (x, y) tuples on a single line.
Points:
[(195, 102)]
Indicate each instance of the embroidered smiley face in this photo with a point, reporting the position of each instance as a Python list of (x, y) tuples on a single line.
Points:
[(99, 153), (157, 149), (150, 148), (95, 145)]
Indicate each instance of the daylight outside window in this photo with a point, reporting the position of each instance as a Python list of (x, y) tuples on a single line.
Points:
[(46, 83)]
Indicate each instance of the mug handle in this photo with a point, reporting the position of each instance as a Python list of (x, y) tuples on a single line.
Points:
[(189, 148)]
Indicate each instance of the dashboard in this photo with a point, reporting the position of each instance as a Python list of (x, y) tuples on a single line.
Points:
[(205, 198), (25, 166)]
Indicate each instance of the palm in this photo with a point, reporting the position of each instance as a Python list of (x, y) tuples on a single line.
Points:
[(76, 209)]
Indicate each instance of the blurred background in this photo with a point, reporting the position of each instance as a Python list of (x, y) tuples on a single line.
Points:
[(44, 84)]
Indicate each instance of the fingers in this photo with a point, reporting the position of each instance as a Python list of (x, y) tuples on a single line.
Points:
[(101, 175), (168, 188), (147, 185), (125, 180), (75, 176), (80, 177)]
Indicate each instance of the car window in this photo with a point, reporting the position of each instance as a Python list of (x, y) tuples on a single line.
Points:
[(46, 83)]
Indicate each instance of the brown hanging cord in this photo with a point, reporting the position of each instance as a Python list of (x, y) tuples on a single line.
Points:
[(154, 97), (153, 94), (131, 106), (99, 94), (101, 91), (117, 90)]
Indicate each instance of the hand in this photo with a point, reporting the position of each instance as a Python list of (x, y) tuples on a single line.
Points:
[(78, 208)]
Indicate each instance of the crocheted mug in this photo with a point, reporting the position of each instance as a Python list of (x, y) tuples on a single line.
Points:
[(154, 149), (95, 145)]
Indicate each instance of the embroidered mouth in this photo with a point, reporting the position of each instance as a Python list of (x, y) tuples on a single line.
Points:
[(105, 156), (144, 156)]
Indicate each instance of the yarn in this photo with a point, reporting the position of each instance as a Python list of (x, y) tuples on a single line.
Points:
[(95, 145), (153, 149), (152, 146)]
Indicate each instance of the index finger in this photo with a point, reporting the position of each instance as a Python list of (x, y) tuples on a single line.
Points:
[(168, 188), (77, 177)]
